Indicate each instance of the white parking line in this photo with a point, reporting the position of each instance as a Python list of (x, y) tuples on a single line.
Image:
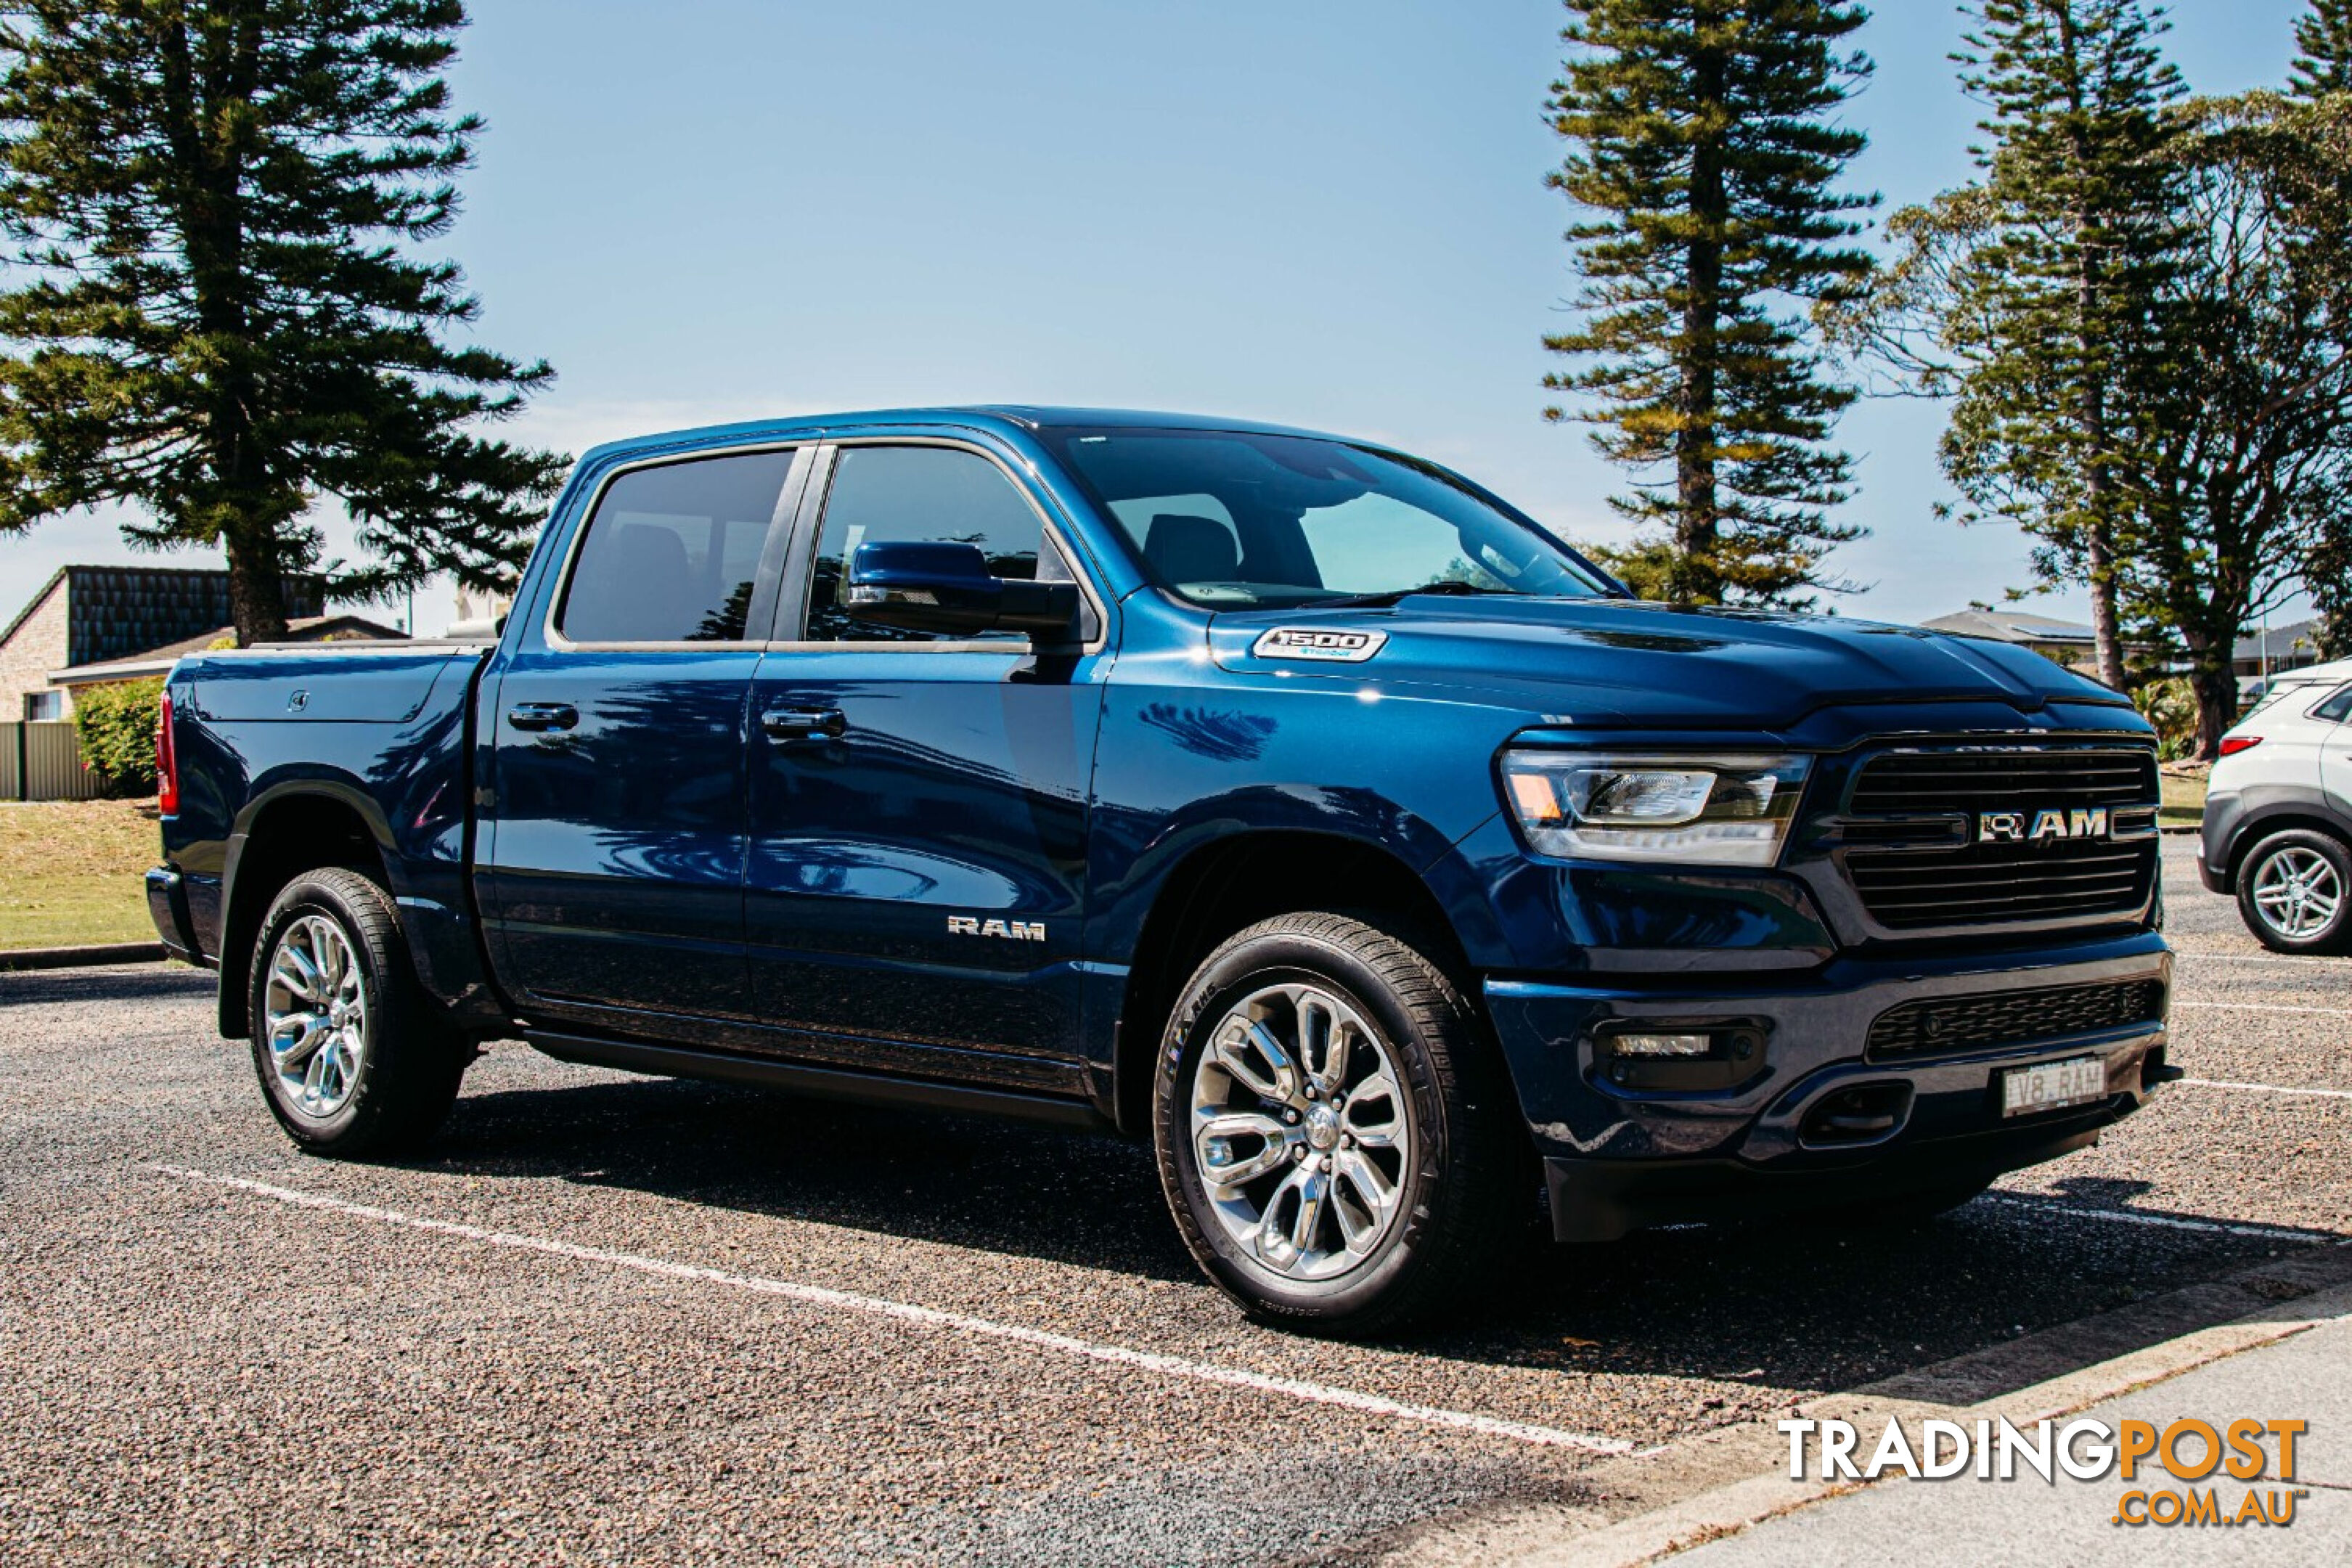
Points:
[(2122, 1217), (2338, 964), (931, 1316), (2262, 1088), (2263, 1008)]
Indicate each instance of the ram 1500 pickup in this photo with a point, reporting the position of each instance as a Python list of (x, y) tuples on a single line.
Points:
[(1288, 800)]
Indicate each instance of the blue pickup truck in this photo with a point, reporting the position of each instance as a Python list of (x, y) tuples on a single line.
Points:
[(1286, 799)]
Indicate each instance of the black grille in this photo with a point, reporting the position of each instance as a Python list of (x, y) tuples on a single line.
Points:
[(1987, 884), (1912, 781), (2012, 1018), (1937, 882)]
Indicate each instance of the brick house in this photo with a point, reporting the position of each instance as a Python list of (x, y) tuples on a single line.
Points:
[(157, 661), (95, 615)]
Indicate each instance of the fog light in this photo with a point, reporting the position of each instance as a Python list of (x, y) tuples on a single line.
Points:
[(1702, 1056), (1661, 1045)]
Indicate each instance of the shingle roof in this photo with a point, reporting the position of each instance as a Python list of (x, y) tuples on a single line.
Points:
[(2281, 641), (112, 612), (154, 660)]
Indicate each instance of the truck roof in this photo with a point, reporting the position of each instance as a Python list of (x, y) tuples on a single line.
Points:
[(1001, 416)]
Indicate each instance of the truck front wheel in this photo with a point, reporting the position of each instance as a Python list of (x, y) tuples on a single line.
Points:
[(1337, 1142), (351, 1057)]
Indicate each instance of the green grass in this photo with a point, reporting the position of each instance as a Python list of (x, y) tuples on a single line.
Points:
[(2183, 802), (69, 872)]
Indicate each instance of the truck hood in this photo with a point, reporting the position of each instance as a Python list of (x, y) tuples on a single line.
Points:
[(1633, 662)]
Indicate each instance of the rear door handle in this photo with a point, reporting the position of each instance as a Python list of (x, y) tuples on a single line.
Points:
[(803, 723), (543, 716)]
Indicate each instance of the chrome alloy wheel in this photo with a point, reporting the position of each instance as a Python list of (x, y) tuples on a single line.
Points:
[(317, 1014), (1301, 1131), (2298, 892)]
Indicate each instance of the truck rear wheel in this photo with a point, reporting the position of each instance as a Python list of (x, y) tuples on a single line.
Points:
[(1335, 1139), (351, 1057)]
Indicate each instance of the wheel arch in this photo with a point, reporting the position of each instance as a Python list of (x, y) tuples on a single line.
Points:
[(2285, 818), (296, 826), (1235, 880)]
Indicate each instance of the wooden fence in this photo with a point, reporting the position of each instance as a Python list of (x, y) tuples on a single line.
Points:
[(40, 760)]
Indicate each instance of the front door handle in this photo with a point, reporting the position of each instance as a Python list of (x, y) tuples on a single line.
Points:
[(804, 723), (543, 716)]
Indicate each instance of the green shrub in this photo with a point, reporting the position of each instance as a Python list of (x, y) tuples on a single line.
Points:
[(116, 727), (2170, 704)]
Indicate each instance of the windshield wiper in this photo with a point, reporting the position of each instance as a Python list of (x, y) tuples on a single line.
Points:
[(1376, 601)]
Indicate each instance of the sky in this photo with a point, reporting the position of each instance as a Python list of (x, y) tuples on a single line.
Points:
[(1323, 213)]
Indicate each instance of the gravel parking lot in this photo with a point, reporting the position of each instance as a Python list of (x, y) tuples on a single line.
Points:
[(615, 1320)]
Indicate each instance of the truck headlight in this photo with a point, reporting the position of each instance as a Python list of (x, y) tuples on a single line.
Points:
[(1684, 810)]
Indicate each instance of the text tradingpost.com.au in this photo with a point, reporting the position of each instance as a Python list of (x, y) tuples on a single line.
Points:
[(2238, 1471)]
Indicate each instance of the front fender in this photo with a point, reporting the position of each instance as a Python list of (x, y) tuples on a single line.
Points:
[(1191, 754), (1157, 846)]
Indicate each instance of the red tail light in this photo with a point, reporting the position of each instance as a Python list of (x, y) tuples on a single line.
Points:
[(167, 762), (2233, 744)]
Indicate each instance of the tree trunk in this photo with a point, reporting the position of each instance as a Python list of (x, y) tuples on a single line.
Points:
[(1696, 577), (211, 149), (2106, 634), (2217, 708), (256, 590), (2090, 302)]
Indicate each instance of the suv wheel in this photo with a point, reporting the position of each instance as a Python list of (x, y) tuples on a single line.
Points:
[(1335, 1139), (2292, 892), (352, 1057)]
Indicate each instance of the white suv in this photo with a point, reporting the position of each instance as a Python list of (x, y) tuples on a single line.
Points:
[(2278, 816)]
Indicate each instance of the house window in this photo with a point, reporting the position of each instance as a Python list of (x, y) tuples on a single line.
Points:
[(43, 705)]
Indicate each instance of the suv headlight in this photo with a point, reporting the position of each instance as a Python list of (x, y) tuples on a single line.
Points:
[(1684, 810)]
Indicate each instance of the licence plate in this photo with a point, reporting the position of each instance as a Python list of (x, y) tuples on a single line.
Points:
[(2053, 1084)]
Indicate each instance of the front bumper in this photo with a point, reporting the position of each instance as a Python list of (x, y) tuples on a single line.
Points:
[(1619, 1158)]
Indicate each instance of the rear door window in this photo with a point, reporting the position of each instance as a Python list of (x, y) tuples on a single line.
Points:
[(673, 553)]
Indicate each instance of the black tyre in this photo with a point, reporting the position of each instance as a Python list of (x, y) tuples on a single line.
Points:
[(1336, 1138), (2295, 893), (353, 1056)]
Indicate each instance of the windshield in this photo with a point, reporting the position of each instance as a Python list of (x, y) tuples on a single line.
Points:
[(1232, 521)]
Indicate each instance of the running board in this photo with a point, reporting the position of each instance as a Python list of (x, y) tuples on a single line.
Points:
[(794, 1078)]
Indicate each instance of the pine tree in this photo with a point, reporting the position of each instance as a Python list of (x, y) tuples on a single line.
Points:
[(2327, 578), (1704, 143), (2323, 64), (2323, 41), (2056, 311), (220, 311), (2239, 472)]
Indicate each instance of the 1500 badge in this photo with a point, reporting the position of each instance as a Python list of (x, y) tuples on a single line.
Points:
[(1306, 642)]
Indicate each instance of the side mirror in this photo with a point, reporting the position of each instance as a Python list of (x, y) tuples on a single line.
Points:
[(947, 588)]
